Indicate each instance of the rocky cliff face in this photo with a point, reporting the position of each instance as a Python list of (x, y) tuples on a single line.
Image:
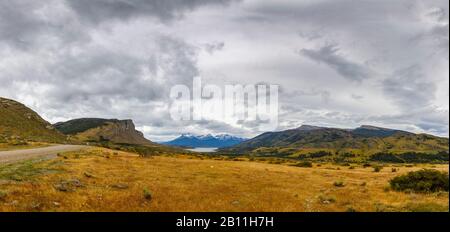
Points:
[(123, 131), (96, 130)]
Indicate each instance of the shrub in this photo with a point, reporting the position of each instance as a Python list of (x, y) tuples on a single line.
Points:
[(377, 168), (339, 184), (425, 180), (318, 154), (276, 162), (147, 194), (410, 157), (3, 195), (88, 175), (305, 164), (325, 199)]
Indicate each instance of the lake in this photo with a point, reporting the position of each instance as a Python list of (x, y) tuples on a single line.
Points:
[(203, 149)]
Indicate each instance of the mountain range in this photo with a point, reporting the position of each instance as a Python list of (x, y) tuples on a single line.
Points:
[(307, 141), (19, 124), (206, 141)]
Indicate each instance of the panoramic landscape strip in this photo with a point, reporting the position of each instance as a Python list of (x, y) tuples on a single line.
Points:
[(107, 165), (230, 114)]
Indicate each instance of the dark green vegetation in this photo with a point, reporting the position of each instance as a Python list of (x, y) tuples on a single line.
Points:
[(411, 157), (103, 130), (366, 143), (425, 180), (304, 164), (76, 126), (19, 125)]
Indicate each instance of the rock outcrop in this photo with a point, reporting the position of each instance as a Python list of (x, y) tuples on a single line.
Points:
[(103, 130)]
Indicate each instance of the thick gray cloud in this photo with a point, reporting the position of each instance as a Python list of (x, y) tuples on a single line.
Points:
[(99, 11), (338, 62), (27, 23), (346, 68)]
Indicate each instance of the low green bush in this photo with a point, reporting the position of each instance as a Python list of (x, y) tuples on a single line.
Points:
[(147, 194), (339, 184), (305, 164), (377, 168)]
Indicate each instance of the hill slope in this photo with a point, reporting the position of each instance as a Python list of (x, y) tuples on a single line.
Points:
[(20, 122), (216, 141), (309, 141), (103, 130)]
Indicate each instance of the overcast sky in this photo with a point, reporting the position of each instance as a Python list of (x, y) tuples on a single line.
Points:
[(339, 63)]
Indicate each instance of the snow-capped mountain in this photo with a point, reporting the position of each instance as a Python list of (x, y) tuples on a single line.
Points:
[(209, 140)]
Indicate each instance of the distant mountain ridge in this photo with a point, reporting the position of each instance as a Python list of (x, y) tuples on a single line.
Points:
[(207, 141), (101, 130), (362, 141), (373, 131)]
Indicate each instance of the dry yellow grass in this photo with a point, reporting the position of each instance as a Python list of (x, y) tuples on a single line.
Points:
[(104, 180), (9, 147)]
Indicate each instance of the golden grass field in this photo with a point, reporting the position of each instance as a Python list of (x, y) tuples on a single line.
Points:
[(9, 147), (106, 180)]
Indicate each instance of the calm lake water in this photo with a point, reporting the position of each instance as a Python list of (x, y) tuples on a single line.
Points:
[(203, 149)]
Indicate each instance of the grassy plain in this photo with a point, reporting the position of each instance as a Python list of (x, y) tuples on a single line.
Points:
[(105, 180)]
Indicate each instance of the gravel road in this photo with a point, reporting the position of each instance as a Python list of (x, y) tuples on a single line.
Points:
[(44, 152)]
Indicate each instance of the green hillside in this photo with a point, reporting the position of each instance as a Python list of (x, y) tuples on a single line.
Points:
[(332, 144), (19, 123)]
